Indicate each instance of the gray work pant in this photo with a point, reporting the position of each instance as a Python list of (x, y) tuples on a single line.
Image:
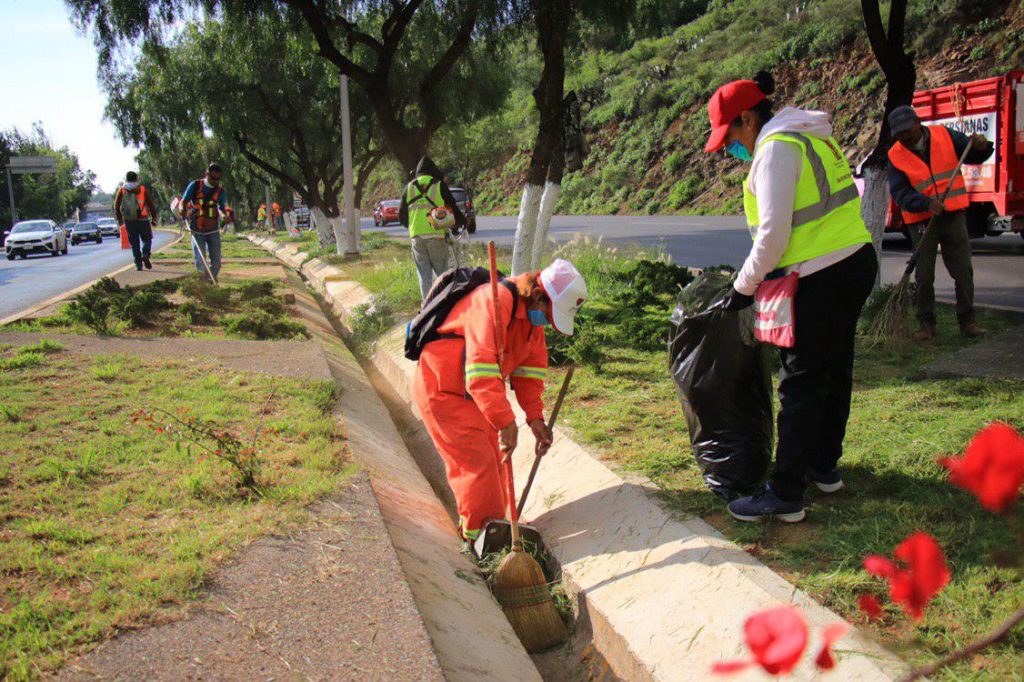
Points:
[(950, 231), (432, 257)]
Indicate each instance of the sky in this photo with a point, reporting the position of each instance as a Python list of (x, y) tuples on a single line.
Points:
[(49, 75)]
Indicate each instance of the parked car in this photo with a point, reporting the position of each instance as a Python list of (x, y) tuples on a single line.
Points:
[(465, 203), (68, 227), (86, 232), (386, 212), (108, 227), (36, 236)]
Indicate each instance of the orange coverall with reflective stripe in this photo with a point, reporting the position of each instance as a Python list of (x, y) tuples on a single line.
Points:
[(459, 391)]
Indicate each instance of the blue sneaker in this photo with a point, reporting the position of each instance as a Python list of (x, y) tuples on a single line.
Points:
[(829, 482), (766, 505)]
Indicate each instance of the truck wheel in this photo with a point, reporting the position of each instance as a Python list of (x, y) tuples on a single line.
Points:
[(977, 219)]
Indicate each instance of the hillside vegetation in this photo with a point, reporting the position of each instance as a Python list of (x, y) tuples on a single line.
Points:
[(644, 106)]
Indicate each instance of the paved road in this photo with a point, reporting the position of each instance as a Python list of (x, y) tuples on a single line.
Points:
[(29, 282), (700, 241)]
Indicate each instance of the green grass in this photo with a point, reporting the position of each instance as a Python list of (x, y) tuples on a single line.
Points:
[(232, 246), (107, 524)]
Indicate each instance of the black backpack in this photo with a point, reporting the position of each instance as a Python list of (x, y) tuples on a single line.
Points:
[(450, 288)]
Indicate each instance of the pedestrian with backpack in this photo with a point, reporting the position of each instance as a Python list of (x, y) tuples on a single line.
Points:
[(202, 205), (430, 211), (134, 208), (459, 387)]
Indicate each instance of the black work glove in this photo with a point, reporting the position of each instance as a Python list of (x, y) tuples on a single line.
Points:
[(735, 301)]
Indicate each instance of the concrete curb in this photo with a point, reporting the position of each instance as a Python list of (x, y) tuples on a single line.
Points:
[(666, 597), (79, 289)]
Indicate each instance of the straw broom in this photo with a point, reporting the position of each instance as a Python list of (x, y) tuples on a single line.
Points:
[(893, 321), (519, 582)]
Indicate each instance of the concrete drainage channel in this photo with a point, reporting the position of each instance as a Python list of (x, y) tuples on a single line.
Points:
[(459, 634), (662, 597)]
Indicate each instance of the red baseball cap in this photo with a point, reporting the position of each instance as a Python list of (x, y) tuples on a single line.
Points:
[(728, 102)]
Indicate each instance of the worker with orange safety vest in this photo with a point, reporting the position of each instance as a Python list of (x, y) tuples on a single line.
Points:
[(921, 165), (203, 204), (459, 389), (134, 209)]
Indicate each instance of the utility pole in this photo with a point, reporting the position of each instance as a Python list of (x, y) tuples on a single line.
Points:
[(352, 242)]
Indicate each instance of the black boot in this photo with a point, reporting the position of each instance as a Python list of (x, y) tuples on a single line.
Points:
[(145, 261)]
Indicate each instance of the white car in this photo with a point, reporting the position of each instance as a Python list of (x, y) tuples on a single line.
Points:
[(36, 236), (108, 227)]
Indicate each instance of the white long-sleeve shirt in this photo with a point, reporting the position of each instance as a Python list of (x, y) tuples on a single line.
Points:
[(773, 177)]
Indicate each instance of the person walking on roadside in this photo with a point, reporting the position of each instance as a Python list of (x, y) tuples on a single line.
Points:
[(459, 389), (134, 208), (803, 211), (921, 164), (430, 249), (202, 205)]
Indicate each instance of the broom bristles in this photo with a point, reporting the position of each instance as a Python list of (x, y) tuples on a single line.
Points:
[(893, 321), (522, 591)]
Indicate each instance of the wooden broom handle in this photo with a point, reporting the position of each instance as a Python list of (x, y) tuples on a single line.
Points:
[(499, 342), (551, 432)]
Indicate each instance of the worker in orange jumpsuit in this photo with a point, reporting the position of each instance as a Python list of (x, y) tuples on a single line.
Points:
[(459, 388)]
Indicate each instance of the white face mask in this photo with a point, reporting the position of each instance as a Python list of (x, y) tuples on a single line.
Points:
[(921, 143)]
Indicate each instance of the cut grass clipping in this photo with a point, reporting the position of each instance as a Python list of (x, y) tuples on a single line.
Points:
[(107, 524), (245, 309)]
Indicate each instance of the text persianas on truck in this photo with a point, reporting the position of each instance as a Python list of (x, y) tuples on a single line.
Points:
[(993, 107)]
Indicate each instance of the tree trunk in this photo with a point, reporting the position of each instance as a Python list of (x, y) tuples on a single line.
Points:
[(552, 21), (526, 226), (328, 230), (547, 209), (874, 205)]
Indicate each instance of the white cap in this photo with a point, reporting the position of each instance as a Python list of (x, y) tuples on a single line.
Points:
[(565, 287)]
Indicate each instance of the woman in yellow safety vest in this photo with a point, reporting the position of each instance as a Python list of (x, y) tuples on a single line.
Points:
[(803, 212)]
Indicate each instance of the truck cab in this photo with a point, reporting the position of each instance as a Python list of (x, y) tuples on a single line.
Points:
[(993, 107)]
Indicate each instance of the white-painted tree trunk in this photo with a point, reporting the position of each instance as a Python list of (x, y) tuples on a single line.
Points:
[(352, 233), (328, 230), (874, 204), (548, 202), (526, 228)]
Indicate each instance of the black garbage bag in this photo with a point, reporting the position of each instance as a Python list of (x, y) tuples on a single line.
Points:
[(723, 382)]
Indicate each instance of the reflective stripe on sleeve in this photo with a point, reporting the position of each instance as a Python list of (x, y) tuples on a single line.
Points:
[(531, 372), (482, 369)]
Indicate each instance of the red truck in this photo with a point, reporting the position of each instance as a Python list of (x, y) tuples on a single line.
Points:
[(993, 107)]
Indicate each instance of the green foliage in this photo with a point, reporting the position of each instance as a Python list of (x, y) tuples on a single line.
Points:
[(202, 291), (684, 191), (674, 163), (106, 307), (267, 304), (254, 288), (259, 324), (195, 313), (372, 320)]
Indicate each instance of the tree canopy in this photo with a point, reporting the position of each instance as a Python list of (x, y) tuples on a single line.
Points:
[(52, 196)]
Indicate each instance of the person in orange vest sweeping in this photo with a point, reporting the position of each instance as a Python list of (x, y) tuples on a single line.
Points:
[(921, 166), (459, 389), (134, 209)]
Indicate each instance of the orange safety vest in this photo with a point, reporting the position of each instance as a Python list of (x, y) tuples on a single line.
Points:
[(141, 197), (203, 214), (931, 179)]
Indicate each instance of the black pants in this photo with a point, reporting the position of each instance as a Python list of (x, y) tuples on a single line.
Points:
[(139, 231), (816, 379)]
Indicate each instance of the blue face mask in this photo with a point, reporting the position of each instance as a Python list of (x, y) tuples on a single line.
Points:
[(538, 318), (737, 150)]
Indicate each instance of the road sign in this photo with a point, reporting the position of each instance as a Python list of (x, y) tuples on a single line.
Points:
[(19, 165)]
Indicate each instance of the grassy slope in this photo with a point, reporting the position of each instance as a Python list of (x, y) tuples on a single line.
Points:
[(644, 107), (106, 524)]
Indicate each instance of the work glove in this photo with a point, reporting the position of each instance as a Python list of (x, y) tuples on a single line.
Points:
[(542, 435), (735, 301)]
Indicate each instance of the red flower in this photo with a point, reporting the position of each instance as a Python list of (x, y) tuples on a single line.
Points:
[(829, 636), (868, 603), (925, 576), (992, 467), (776, 637)]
